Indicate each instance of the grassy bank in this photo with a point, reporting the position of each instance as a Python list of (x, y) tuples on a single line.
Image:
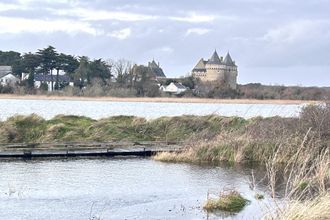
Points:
[(259, 139), (32, 128), (295, 153)]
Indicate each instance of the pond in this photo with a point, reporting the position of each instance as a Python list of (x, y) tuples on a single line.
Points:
[(134, 188)]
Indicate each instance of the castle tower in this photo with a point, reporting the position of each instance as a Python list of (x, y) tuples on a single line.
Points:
[(231, 71), (217, 69)]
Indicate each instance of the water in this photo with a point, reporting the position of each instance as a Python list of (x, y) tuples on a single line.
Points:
[(123, 188), (117, 189), (100, 109)]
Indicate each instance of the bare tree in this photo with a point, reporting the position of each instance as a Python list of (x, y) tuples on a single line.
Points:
[(122, 70)]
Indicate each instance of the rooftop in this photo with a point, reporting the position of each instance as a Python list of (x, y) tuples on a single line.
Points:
[(49, 78), (228, 61), (214, 59), (156, 69), (4, 70)]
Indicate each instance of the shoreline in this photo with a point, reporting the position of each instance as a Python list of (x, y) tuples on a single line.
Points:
[(159, 99)]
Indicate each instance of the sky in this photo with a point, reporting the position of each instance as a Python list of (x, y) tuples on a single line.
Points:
[(277, 42)]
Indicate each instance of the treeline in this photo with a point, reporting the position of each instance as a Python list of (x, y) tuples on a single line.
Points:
[(96, 77), (250, 91), (122, 78), (258, 91)]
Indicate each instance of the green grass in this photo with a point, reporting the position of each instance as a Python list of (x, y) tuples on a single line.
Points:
[(32, 128), (230, 202)]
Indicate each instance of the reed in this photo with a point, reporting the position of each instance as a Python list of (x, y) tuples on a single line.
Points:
[(316, 208)]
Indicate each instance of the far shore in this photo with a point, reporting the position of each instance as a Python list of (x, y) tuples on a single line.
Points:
[(158, 99)]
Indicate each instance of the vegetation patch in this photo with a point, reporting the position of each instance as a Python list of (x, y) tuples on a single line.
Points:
[(231, 201), (32, 128), (173, 157), (259, 196), (316, 208)]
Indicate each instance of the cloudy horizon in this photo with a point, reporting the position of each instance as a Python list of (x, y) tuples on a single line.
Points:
[(284, 42)]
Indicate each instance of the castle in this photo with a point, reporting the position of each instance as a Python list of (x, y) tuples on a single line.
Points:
[(156, 69), (217, 69)]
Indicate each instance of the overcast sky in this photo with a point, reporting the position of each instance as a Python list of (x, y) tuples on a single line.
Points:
[(284, 42)]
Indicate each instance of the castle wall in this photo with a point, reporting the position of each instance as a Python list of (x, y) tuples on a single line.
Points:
[(215, 72), (231, 76)]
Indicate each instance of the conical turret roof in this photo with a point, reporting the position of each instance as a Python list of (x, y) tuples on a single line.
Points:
[(214, 59), (153, 64), (228, 61), (156, 70), (200, 65)]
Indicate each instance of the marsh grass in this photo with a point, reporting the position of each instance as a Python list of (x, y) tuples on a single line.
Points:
[(32, 128), (294, 151), (311, 209), (228, 201)]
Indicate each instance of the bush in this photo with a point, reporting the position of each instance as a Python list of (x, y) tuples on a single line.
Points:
[(230, 201), (43, 87), (6, 89)]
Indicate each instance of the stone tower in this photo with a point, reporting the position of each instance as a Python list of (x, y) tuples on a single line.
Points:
[(217, 69)]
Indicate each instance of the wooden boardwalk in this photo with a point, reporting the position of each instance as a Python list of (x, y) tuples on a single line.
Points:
[(87, 149)]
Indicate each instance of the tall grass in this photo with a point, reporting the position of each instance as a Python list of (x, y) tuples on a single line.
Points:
[(294, 151), (311, 209)]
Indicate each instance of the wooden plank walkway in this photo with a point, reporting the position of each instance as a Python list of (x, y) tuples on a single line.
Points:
[(87, 149)]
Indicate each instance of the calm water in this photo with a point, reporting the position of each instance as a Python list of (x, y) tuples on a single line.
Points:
[(116, 189), (101, 109), (122, 188)]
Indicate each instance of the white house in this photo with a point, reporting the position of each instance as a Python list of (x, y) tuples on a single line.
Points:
[(161, 87), (174, 88), (6, 76)]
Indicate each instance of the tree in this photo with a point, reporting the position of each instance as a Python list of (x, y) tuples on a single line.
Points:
[(9, 57), (123, 71), (189, 82), (48, 57), (99, 69), (70, 64), (144, 84), (30, 62), (82, 72), (13, 59)]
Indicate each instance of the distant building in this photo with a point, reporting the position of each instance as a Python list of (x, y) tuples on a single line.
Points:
[(217, 69), (174, 88), (6, 76), (63, 80), (156, 69)]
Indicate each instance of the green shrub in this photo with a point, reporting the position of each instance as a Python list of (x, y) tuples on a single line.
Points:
[(230, 201)]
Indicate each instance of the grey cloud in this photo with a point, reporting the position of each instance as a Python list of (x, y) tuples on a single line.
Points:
[(272, 41)]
